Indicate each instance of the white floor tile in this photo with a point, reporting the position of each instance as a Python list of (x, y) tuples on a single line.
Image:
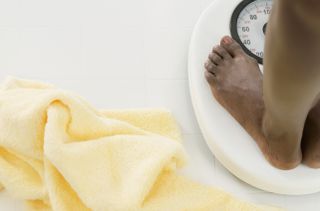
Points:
[(174, 95), (9, 48), (206, 3), (112, 52), (173, 14), (9, 13), (201, 162), (107, 94), (72, 12), (304, 203), (166, 53), (109, 14), (40, 52), (48, 13), (9, 203), (300, 203), (269, 199)]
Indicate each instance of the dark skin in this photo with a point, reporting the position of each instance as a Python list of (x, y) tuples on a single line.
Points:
[(311, 139), (280, 108), (236, 82), (223, 62)]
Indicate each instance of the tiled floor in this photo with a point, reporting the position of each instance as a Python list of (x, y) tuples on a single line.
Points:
[(120, 54)]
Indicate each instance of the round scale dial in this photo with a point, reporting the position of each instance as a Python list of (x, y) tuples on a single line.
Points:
[(248, 26)]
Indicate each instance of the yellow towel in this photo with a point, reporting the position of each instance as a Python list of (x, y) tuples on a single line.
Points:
[(59, 153)]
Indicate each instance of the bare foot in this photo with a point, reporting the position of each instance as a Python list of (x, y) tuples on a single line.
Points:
[(236, 83), (311, 139)]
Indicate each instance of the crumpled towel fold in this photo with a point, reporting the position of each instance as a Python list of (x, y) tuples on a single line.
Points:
[(59, 153)]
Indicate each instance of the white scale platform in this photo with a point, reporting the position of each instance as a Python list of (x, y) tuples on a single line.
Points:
[(228, 141)]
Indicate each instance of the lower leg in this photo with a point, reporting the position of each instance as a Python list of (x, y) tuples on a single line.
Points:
[(309, 11), (311, 139), (289, 91), (291, 78)]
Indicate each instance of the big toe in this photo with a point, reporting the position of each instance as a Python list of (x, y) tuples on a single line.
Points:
[(231, 46)]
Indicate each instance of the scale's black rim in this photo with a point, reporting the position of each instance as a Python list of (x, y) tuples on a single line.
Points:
[(234, 29)]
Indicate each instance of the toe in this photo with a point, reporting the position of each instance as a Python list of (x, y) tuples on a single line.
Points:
[(210, 67), (210, 77), (215, 58), (222, 52), (231, 46)]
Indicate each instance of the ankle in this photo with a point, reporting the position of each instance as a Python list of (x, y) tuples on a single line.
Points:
[(275, 131)]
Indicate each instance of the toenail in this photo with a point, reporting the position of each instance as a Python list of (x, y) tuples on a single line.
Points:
[(227, 40)]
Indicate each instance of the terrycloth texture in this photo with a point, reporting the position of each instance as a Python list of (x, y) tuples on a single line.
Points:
[(59, 153)]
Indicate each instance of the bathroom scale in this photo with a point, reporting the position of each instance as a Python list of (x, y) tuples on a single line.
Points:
[(246, 21)]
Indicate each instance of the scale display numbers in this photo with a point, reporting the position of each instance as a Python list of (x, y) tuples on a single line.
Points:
[(248, 26)]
